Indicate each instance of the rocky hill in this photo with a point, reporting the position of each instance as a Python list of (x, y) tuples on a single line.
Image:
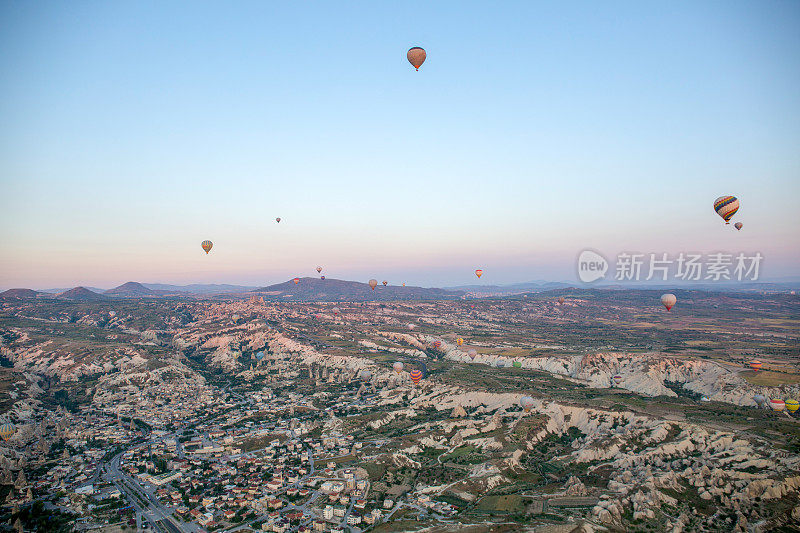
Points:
[(131, 289), (18, 294), (315, 289), (82, 294)]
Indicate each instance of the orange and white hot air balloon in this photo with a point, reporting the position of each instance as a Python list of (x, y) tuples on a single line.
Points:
[(296, 280), (755, 365), (206, 245), (416, 56), (479, 272), (373, 283), (668, 300)]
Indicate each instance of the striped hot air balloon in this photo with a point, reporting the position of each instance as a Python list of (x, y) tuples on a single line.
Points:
[(738, 226), (777, 404), (416, 376), (617, 380), (459, 341), (206, 245), (792, 405), (437, 345), (726, 207), (7, 430), (472, 354), (479, 272), (755, 365)]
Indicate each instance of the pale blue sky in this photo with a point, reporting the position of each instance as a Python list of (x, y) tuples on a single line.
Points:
[(130, 132)]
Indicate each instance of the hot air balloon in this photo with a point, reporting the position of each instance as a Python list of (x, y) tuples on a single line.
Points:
[(526, 402), (416, 56), (792, 405), (7, 430), (755, 365), (385, 283), (472, 353), (398, 367), (373, 283), (206, 245), (760, 400), (459, 341), (259, 355), (322, 278), (617, 380), (668, 300), (296, 280), (738, 226), (278, 220), (501, 363), (561, 300), (437, 344), (404, 284), (365, 375), (336, 311), (777, 404), (319, 269), (726, 207), (416, 376), (479, 272), (517, 364)]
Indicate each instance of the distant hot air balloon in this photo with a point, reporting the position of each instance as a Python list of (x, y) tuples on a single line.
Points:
[(617, 380), (336, 311), (479, 272), (398, 367), (738, 225), (777, 404), (416, 376), (459, 341), (206, 245), (755, 365), (404, 284), (319, 269), (526, 402), (472, 353), (259, 355), (561, 300), (365, 375), (726, 207), (760, 400), (792, 405), (517, 364), (373, 283), (416, 56), (296, 280), (322, 278), (278, 220), (437, 344), (668, 300), (7, 430), (385, 283)]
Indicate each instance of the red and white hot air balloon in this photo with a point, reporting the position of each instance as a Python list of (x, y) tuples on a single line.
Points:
[(479, 272), (373, 283), (668, 300), (296, 280)]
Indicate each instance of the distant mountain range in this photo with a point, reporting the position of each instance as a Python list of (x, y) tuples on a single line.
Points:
[(199, 288), (514, 288), (315, 289), (18, 294)]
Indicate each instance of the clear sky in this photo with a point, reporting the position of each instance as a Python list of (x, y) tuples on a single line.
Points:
[(131, 131)]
